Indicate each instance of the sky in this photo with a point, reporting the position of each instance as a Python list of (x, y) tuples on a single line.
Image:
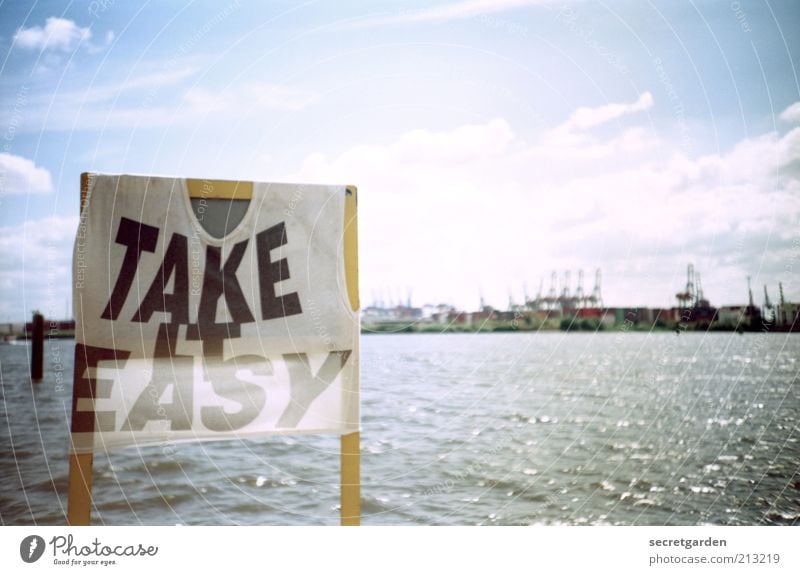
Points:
[(492, 142)]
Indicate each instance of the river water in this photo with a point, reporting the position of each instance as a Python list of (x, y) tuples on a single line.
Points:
[(465, 429)]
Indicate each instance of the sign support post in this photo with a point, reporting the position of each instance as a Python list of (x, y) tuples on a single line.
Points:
[(350, 443), (79, 503), (79, 491)]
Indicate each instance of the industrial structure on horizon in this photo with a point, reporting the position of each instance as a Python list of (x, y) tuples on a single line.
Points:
[(561, 307)]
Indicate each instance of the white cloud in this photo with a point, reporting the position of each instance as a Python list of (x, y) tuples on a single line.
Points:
[(447, 212), (57, 34), (20, 175), (791, 114), (447, 12), (35, 267), (584, 119), (93, 48)]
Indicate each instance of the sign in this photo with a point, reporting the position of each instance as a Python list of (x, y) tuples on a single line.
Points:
[(185, 335)]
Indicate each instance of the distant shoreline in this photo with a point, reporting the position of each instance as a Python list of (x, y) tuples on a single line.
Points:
[(400, 328)]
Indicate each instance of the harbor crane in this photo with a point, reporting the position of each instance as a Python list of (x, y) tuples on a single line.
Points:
[(687, 297)]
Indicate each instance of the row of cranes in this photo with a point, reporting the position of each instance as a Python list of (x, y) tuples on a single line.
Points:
[(564, 298), (692, 294), (772, 312), (692, 297)]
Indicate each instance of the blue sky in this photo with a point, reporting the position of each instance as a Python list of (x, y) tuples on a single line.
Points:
[(492, 142)]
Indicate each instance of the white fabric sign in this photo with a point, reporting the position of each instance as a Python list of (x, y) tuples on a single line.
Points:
[(182, 336)]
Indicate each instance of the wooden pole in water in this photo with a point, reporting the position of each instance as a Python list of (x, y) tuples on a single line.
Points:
[(350, 444), (37, 347), (81, 471)]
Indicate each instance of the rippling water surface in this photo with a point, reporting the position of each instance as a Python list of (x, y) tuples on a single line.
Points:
[(545, 428)]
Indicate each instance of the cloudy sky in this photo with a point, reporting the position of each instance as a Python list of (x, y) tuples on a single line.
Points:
[(492, 141)]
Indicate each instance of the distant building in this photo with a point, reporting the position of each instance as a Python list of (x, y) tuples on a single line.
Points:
[(732, 314), (375, 314), (788, 315)]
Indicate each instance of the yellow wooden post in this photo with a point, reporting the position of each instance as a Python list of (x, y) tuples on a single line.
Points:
[(350, 443), (79, 490), (351, 479), (219, 189), (79, 493)]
